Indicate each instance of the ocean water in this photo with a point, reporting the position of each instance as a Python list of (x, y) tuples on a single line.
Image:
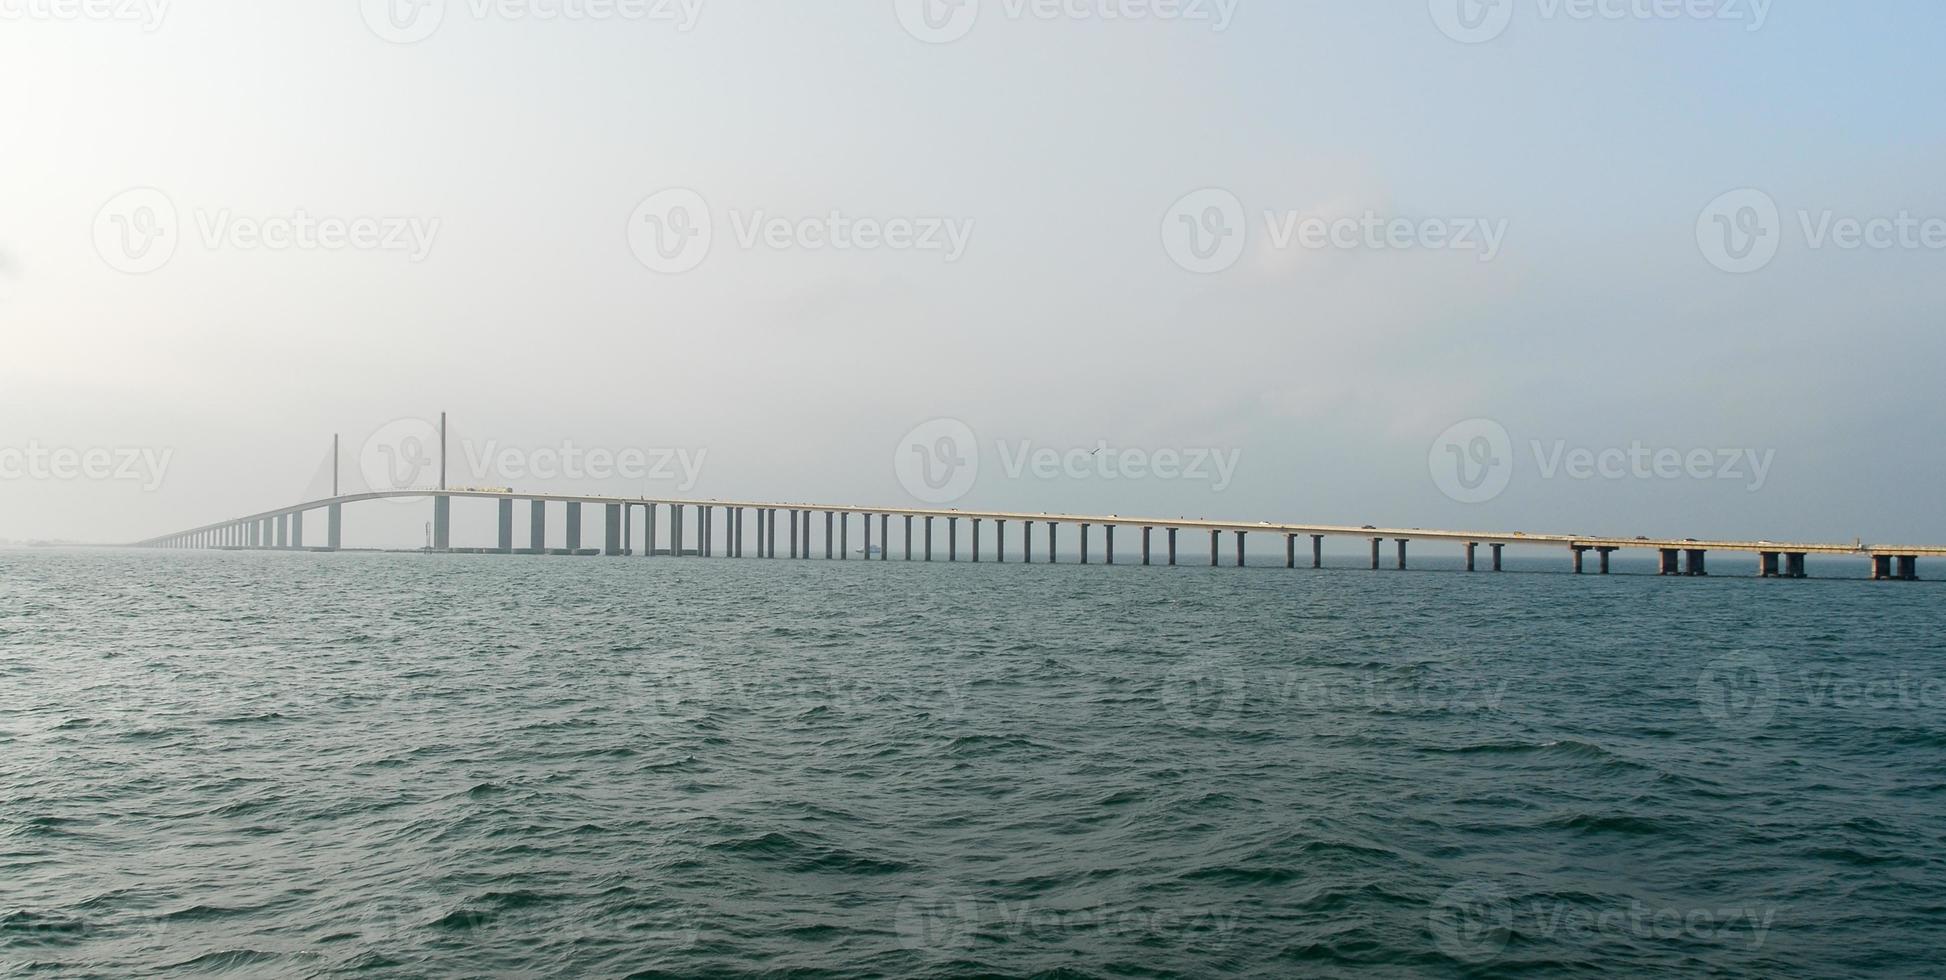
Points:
[(401, 765)]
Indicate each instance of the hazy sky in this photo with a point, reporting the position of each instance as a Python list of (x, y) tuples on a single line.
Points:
[(468, 221)]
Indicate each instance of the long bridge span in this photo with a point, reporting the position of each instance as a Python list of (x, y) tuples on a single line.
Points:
[(685, 528)]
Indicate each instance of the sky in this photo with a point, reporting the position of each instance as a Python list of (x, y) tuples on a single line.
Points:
[(1618, 267)]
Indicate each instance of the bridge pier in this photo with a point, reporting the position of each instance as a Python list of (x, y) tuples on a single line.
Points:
[(613, 544), (1215, 545), (1052, 557), (1881, 568), (334, 526), (1402, 543), (1496, 555), (952, 539), (908, 537), (1472, 547), (297, 529), (1084, 544), (442, 523), (1108, 544), (1317, 551), (1027, 542), (1695, 562), (1172, 547), (928, 536), (1909, 568), (1579, 553), (280, 526), (1794, 565), (844, 537), (506, 522), (1290, 551), (827, 535), (1768, 565), (868, 537), (1146, 532), (1000, 542), (793, 530), (1604, 554), (976, 541), (1375, 544), (1240, 535), (1667, 563), (574, 525)]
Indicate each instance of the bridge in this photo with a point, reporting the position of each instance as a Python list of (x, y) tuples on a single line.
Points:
[(689, 528)]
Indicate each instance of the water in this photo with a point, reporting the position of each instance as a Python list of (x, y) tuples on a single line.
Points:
[(315, 765)]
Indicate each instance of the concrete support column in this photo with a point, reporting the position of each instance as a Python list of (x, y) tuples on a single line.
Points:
[(1172, 547), (1881, 567), (1497, 549), (442, 523), (1694, 562), (1240, 535), (1375, 543), (807, 535), (1290, 551), (793, 530), (1767, 565), (827, 535), (884, 537), (1794, 565), (574, 525), (1402, 543), (1027, 542), (1084, 544), (613, 529), (1108, 544), (976, 541), (844, 537), (952, 539), (928, 536), (1215, 544), (334, 526), (908, 537), (1667, 563), (868, 537), (1317, 551), (1908, 568), (1579, 553), (1000, 542), (506, 516), (297, 530), (1146, 533), (1472, 549), (1605, 554), (1052, 555)]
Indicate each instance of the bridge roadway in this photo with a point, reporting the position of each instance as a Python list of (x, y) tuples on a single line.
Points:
[(283, 528)]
